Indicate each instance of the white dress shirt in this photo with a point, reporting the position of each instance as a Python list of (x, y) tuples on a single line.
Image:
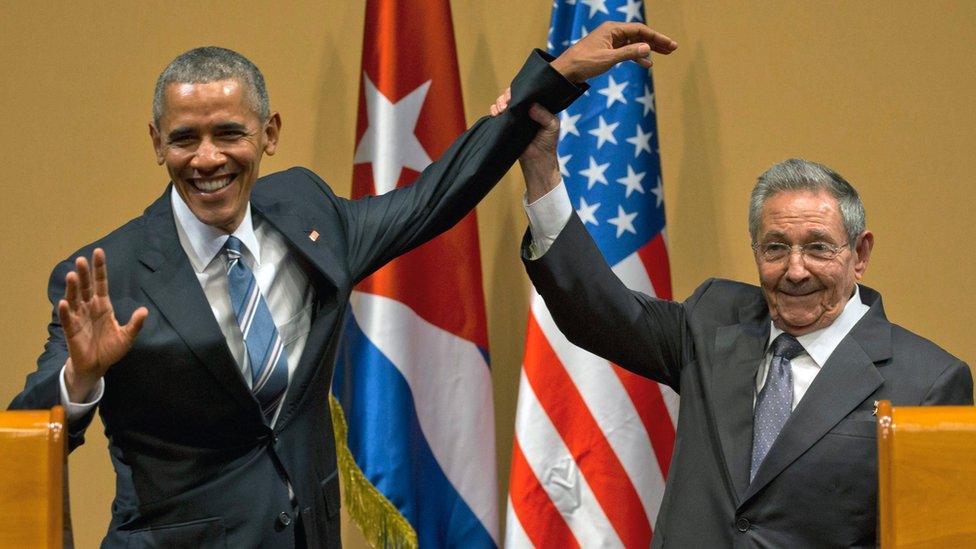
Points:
[(548, 217), (282, 282)]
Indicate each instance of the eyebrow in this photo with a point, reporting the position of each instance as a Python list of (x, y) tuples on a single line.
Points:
[(815, 236), (180, 133), (230, 126)]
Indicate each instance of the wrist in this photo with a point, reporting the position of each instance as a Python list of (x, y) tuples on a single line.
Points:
[(79, 386)]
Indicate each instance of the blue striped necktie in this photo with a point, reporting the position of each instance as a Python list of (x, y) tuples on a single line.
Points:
[(265, 350), (775, 401)]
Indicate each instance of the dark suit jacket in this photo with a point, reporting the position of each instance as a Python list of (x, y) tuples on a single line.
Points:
[(196, 465), (818, 485)]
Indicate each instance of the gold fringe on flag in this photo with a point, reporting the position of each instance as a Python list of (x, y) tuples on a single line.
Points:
[(378, 519)]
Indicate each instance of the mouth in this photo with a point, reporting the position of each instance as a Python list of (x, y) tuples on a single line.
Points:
[(211, 184)]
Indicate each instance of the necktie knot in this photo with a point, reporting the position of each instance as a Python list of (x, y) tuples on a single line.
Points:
[(233, 247), (786, 346)]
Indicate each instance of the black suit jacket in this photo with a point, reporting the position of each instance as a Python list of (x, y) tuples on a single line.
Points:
[(196, 465), (818, 485)]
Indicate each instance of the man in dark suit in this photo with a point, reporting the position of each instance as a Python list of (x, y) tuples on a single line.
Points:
[(776, 443), (214, 393)]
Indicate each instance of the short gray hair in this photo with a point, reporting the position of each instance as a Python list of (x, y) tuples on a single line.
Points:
[(209, 64), (797, 174)]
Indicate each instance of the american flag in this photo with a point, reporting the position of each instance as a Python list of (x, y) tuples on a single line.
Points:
[(593, 442)]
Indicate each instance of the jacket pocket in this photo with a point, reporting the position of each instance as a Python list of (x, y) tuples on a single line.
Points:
[(203, 533), (856, 427), (330, 491)]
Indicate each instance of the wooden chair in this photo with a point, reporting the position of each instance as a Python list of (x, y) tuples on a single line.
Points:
[(927, 476), (32, 456)]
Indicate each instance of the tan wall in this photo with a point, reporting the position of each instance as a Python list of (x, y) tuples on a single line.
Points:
[(881, 91)]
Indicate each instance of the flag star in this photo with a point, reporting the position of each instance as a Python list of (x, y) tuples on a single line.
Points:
[(389, 142), (632, 10), (567, 124), (586, 212), (597, 6), (658, 192), (632, 181), (647, 100), (563, 160), (594, 174), (641, 141), (604, 132), (624, 221), (614, 92)]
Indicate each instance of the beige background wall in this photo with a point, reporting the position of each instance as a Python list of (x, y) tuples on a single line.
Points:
[(880, 90)]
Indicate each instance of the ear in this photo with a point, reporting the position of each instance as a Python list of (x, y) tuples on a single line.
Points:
[(862, 251), (157, 141), (271, 132)]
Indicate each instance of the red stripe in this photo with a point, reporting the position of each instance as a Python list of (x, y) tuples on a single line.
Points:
[(540, 519), (649, 403), (654, 256), (595, 457)]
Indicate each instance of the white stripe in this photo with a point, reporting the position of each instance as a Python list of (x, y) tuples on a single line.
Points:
[(632, 272), (554, 466), (451, 386), (249, 309), (515, 536), (612, 409)]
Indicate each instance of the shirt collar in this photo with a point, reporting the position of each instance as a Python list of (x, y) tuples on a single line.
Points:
[(202, 243), (821, 343)]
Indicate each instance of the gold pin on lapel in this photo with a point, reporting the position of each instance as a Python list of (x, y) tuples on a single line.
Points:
[(875, 411), (313, 236)]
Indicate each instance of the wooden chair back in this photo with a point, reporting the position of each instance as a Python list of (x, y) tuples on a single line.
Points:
[(32, 458)]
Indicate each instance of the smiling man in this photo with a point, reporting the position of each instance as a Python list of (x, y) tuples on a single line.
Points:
[(214, 393), (776, 438)]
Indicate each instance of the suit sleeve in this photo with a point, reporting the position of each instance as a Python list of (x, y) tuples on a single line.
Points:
[(595, 311), (380, 228), (953, 387), (42, 389)]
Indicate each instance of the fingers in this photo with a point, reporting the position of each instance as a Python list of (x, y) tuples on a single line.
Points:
[(543, 117), (101, 273), (84, 278), (639, 52), (627, 33), (135, 322), (67, 321), (72, 293), (501, 104)]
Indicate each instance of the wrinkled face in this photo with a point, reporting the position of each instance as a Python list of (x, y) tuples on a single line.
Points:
[(211, 141), (805, 294)]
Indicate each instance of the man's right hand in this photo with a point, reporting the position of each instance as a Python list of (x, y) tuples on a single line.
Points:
[(611, 43), (95, 339)]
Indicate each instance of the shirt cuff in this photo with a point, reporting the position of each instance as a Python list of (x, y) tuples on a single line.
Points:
[(75, 410), (547, 218)]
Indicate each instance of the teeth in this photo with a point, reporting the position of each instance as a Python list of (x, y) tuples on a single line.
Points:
[(212, 185)]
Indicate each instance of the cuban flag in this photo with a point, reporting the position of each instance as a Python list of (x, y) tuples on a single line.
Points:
[(412, 388), (592, 441)]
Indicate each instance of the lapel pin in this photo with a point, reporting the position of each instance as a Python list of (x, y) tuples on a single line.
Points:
[(875, 412), (313, 236)]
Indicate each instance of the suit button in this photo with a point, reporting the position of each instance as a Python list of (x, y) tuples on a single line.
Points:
[(284, 519), (742, 524)]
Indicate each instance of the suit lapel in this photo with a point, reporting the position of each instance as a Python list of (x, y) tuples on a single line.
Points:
[(738, 352), (173, 288), (848, 377)]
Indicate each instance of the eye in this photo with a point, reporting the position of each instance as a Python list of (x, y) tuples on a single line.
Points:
[(818, 247), (773, 250)]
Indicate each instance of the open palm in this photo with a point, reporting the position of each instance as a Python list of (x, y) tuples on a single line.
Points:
[(94, 337)]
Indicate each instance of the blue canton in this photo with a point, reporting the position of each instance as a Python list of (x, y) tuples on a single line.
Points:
[(608, 148)]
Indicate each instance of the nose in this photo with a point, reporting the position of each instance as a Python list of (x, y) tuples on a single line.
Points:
[(796, 267), (208, 156)]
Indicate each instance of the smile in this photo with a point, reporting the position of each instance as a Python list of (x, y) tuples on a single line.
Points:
[(211, 185)]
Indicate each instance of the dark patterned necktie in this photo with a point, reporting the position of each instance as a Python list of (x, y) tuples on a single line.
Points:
[(265, 350), (775, 401)]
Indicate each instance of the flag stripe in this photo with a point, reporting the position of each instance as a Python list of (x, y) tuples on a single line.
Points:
[(647, 399), (612, 408), (595, 457), (403, 467), (557, 473), (654, 256), (422, 352), (546, 527)]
